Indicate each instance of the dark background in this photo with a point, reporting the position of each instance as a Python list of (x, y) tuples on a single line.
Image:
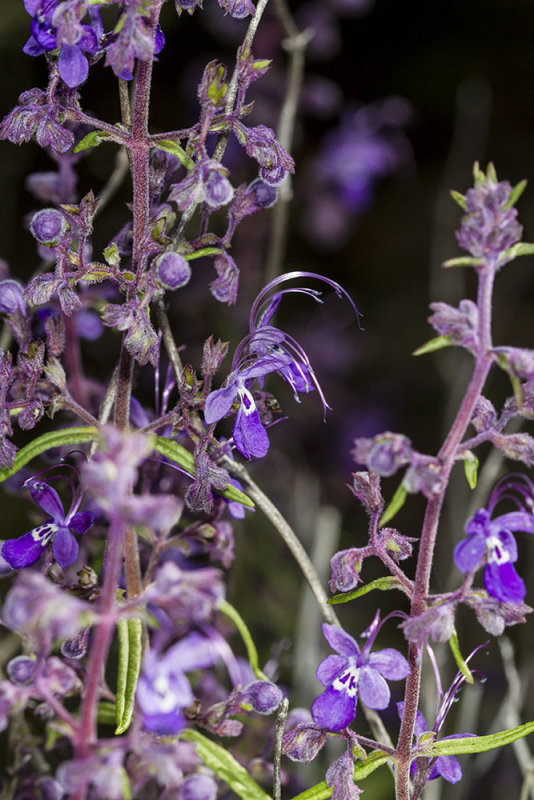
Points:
[(467, 69)]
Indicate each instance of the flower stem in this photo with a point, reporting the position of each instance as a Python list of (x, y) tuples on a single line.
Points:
[(447, 457)]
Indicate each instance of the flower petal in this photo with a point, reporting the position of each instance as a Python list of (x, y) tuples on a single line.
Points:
[(164, 724), (334, 709), (330, 668), (515, 521), (470, 552), (48, 499), (341, 641), (219, 403), (389, 663), (65, 547), (250, 437), (192, 652), (503, 583), (374, 690), (81, 522), (73, 65), (25, 551), (449, 768)]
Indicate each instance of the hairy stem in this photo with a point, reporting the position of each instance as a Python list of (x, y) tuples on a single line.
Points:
[(446, 456)]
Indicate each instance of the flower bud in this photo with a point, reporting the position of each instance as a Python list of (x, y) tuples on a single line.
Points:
[(21, 670), (11, 298), (49, 226), (303, 742), (173, 270), (265, 195), (264, 697), (198, 787)]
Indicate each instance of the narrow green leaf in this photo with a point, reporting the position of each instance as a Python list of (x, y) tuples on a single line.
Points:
[(384, 584), (262, 64), (130, 633), (106, 713), (244, 632), (519, 249), (92, 139), (204, 251), (168, 146), (438, 343), (459, 198), (516, 193), (479, 744), (395, 505), (460, 661), (471, 469), (321, 791), (463, 261), (46, 442), (225, 766)]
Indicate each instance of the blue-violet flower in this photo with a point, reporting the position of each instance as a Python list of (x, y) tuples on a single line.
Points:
[(354, 672), (59, 528), (490, 542)]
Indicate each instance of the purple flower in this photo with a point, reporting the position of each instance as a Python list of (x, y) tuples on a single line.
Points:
[(163, 689), (59, 529), (490, 542), (54, 27), (446, 767), (354, 672), (250, 437), (266, 349)]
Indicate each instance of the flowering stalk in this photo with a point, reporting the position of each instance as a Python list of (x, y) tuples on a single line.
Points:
[(87, 733), (446, 458)]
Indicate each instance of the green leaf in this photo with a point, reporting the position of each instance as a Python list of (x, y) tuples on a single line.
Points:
[(479, 744), (471, 468), (463, 261), (46, 442), (92, 139), (168, 146), (459, 198), (166, 447), (130, 633), (519, 249), (438, 343), (225, 766), (239, 622), (175, 452), (106, 713), (516, 193), (321, 791), (384, 584), (460, 661), (395, 505), (205, 251)]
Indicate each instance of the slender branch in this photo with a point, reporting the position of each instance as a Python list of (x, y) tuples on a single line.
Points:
[(446, 456), (288, 535), (295, 44), (281, 718), (168, 339), (232, 86)]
